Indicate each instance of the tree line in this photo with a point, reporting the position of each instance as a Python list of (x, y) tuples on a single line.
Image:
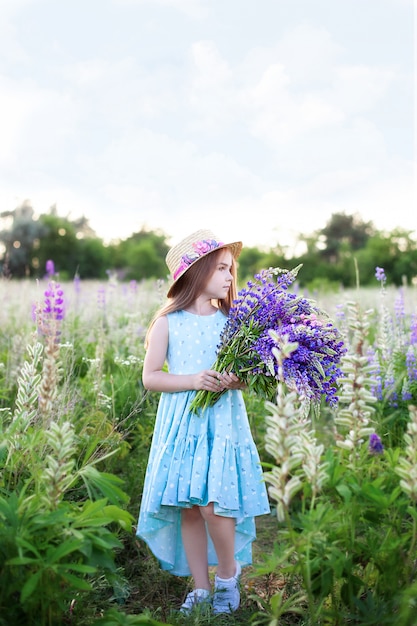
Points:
[(336, 255)]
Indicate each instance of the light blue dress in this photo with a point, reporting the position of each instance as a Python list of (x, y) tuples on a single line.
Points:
[(197, 459)]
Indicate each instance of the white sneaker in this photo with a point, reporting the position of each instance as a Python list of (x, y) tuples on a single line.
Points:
[(226, 593), (197, 596)]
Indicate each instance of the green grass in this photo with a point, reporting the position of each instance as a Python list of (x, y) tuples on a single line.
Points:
[(145, 589)]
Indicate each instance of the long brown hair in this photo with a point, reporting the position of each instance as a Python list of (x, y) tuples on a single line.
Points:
[(192, 283)]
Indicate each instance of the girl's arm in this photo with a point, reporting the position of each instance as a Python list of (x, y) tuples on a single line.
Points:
[(155, 379)]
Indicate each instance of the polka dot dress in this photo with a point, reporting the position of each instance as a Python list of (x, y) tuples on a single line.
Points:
[(197, 459)]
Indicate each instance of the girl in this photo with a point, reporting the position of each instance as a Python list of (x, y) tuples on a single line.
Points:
[(203, 484)]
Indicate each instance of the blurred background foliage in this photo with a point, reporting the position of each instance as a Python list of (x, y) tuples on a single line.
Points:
[(332, 256)]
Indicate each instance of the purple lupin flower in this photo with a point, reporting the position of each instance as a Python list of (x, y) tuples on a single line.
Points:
[(411, 363), (390, 389), (375, 444), (376, 375), (399, 307), (77, 284), (380, 274), (101, 298), (50, 268), (54, 302), (50, 313), (406, 394), (413, 329)]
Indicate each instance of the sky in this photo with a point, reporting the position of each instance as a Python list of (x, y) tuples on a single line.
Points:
[(257, 119)]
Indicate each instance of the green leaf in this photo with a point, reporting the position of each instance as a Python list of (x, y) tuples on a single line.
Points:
[(76, 582), (106, 484), (92, 514), (30, 586), (21, 560), (67, 547), (376, 495), (345, 492), (79, 567), (23, 543), (122, 517)]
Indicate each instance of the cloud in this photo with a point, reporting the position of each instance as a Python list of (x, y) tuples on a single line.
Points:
[(123, 92), (15, 110), (181, 112), (280, 115), (289, 101), (360, 88), (210, 94), (192, 8), (143, 156), (309, 54), (36, 125)]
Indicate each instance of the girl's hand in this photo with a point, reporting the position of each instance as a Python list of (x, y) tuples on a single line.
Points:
[(210, 380), (231, 381)]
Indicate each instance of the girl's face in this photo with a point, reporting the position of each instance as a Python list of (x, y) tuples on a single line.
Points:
[(218, 284)]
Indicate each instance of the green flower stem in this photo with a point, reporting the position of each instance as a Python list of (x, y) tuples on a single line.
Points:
[(411, 551), (303, 564)]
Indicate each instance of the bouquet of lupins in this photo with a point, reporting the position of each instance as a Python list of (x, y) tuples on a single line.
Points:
[(264, 313)]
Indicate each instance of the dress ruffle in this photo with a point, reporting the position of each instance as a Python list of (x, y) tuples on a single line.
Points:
[(200, 467), (195, 460)]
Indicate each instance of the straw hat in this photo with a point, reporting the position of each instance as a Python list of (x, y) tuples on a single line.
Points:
[(192, 249)]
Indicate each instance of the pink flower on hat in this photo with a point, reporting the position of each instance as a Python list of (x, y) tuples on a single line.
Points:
[(201, 248), (207, 245)]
